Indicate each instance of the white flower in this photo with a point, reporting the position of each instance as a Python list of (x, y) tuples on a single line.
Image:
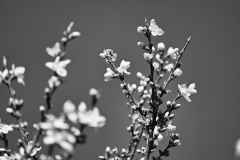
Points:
[(177, 72), (186, 92), (4, 128), (172, 52), (123, 67), (155, 30), (108, 55), (141, 29), (170, 127), (3, 75), (109, 75), (54, 123), (148, 56), (70, 110), (168, 67), (59, 66), (54, 50), (92, 118)]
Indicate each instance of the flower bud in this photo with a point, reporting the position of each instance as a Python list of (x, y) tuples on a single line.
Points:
[(140, 89), (141, 29), (139, 74), (161, 47), (177, 72), (102, 157)]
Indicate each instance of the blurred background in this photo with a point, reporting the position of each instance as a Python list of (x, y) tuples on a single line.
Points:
[(208, 126)]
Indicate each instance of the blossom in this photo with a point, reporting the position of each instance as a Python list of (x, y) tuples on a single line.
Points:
[(148, 56), (168, 67), (53, 123), (172, 52), (59, 66), (92, 118), (54, 50), (3, 75), (70, 110), (155, 65), (177, 72), (109, 75), (18, 73), (4, 128), (123, 67), (141, 29), (94, 93), (108, 55), (54, 82), (186, 92), (155, 30)]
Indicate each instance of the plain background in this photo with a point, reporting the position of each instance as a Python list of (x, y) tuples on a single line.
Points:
[(208, 126)]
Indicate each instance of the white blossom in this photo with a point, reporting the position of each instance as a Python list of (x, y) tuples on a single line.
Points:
[(177, 72), (141, 29), (186, 92), (161, 47), (92, 118), (123, 67), (3, 75), (54, 82), (168, 67), (54, 123), (70, 110), (109, 75), (172, 52), (148, 56), (4, 128), (155, 30), (18, 73), (55, 50), (108, 55), (59, 66)]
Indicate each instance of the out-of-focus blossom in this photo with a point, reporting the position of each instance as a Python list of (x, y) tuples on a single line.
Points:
[(177, 72), (172, 52), (108, 55), (74, 35), (92, 118), (18, 73), (54, 123), (64, 139), (237, 148), (3, 75), (55, 50), (94, 92), (140, 89), (148, 56), (109, 75), (155, 30), (29, 148), (168, 67), (54, 82), (59, 66), (123, 67), (141, 29), (186, 92), (4, 128), (70, 110), (155, 65)]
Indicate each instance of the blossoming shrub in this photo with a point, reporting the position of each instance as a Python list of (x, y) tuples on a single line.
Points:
[(149, 121), (56, 132)]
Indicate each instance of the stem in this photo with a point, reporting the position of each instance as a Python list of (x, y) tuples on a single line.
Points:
[(135, 147), (19, 121)]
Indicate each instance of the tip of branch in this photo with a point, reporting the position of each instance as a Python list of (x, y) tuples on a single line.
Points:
[(189, 39)]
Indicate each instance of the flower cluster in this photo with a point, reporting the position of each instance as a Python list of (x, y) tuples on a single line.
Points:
[(148, 120)]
